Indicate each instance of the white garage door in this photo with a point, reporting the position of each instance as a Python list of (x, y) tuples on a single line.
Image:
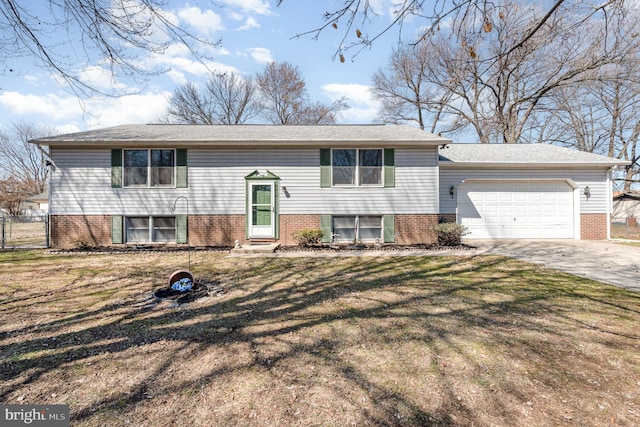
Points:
[(517, 209)]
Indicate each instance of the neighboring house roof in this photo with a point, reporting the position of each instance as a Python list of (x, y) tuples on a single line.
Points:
[(247, 135), (39, 198), (520, 155)]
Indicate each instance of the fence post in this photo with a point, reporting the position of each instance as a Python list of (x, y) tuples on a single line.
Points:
[(2, 232)]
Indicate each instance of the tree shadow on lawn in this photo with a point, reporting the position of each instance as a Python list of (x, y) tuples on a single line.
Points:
[(384, 341)]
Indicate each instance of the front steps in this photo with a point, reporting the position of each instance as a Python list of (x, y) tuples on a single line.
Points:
[(255, 248)]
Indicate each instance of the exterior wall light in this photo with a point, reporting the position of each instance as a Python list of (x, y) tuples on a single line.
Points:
[(587, 192), (286, 192), (452, 191)]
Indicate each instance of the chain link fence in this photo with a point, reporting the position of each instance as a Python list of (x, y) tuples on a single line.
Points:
[(24, 231), (625, 228)]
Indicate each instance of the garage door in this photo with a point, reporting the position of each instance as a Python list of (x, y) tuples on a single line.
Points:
[(520, 209)]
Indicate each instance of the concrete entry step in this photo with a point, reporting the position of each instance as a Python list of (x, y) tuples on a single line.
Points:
[(255, 248)]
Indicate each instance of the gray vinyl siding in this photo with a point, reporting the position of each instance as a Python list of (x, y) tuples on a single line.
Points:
[(82, 184), (596, 179)]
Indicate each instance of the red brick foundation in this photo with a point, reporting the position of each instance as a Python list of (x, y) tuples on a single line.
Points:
[(593, 226), (216, 230), (67, 231), (289, 224), (416, 228)]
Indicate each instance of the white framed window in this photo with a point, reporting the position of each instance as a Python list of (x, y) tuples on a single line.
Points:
[(149, 168), (356, 167), (150, 229), (357, 228)]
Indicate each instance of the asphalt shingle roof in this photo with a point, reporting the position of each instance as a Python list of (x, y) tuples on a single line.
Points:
[(519, 154), (246, 134), (451, 155)]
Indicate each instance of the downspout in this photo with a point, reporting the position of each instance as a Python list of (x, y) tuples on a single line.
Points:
[(52, 165), (610, 173), (45, 152)]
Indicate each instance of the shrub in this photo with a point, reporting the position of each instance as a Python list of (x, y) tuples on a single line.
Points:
[(81, 243), (450, 233), (308, 236)]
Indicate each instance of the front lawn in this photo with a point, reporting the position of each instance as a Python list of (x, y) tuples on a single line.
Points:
[(442, 341)]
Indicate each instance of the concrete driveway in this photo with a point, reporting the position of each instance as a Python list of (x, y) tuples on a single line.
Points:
[(605, 261)]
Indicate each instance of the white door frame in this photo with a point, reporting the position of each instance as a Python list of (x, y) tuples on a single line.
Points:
[(256, 230)]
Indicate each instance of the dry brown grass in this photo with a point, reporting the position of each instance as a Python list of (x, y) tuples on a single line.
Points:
[(318, 341)]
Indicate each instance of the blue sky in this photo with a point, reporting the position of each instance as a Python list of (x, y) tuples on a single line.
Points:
[(253, 33)]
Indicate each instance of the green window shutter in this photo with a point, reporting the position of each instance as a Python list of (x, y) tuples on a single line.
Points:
[(326, 225), (389, 168), (117, 235), (389, 228), (181, 168), (247, 209), (182, 232), (116, 168), (276, 206), (325, 167)]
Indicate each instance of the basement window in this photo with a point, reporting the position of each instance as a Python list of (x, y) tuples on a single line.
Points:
[(150, 229), (357, 228)]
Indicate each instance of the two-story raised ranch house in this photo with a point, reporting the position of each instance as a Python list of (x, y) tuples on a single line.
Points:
[(213, 185)]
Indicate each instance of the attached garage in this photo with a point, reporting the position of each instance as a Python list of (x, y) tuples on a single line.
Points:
[(517, 209), (526, 191)]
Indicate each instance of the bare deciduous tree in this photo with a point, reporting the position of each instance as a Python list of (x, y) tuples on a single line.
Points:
[(113, 33), (354, 17), (12, 193), (189, 107), (23, 168), (319, 113), (278, 94), (21, 160), (503, 100), (404, 90), (603, 116), (285, 101), (228, 99), (283, 92)]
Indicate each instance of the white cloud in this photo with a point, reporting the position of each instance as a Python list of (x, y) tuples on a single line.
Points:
[(356, 92), (67, 112), (207, 22), (249, 24), (362, 107), (142, 108), (55, 107), (99, 78), (261, 55), (260, 7), (69, 128), (380, 6), (179, 63), (178, 77)]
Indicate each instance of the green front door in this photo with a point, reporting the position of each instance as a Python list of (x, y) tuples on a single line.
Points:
[(261, 209)]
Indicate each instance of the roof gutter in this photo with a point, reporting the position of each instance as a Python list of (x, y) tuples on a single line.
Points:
[(239, 143), (493, 165)]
